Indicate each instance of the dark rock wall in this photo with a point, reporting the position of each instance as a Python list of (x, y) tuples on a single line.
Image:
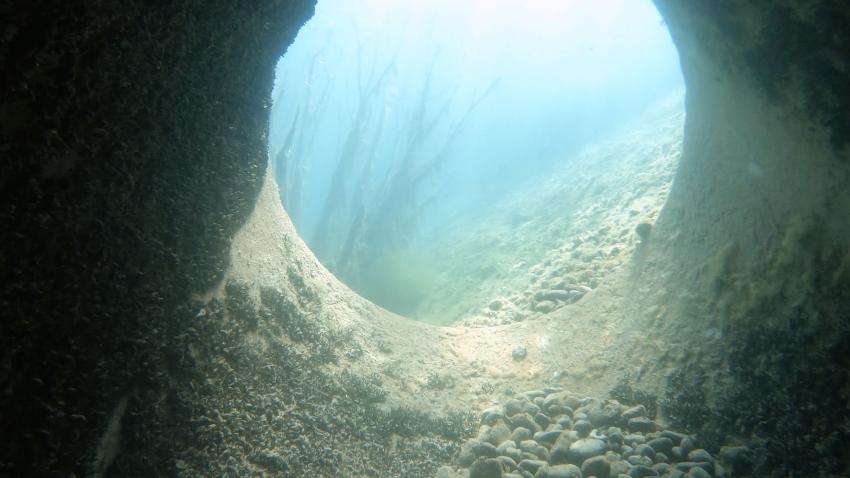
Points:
[(756, 232), (133, 142)]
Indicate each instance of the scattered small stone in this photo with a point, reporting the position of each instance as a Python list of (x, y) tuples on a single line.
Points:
[(519, 352)]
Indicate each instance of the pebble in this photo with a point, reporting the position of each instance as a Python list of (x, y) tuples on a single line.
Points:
[(519, 352), (639, 460), (544, 307), (661, 445), (633, 440), (597, 466), (687, 445), (583, 428), (495, 434), (547, 437), (485, 449), (640, 471), (542, 420), (738, 459), (513, 406), (676, 438), (641, 425), (532, 394), (588, 444), (700, 455), (559, 471), (491, 416), (697, 472), (524, 420), (486, 468), (633, 412), (645, 450), (520, 434), (507, 462), (530, 466), (620, 467), (687, 465), (467, 456), (585, 448)]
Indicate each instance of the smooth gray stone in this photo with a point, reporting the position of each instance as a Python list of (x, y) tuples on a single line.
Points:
[(513, 406), (521, 434), (687, 465), (485, 449), (688, 445), (634, 440), (675, 437), (697, 472), (634, 412), (530, 466), (559, 471), (542, 420), (645, 450), (547, 437), (641, 425), (639, 460), (585, 448), (597, 466), (524, 420), (700, 455), (583, 428), (661, 445), (486, 468), (641, 471), (507, 462)]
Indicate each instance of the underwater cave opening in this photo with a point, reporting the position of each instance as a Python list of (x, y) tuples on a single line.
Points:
[(476, 161)]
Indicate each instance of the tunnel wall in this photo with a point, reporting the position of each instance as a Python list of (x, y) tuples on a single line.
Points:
[(134, 143), (751, 253), (134, 138)]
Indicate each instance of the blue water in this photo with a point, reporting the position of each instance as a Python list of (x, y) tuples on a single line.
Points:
[(391, 118)]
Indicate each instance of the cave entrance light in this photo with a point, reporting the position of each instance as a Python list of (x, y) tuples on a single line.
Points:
[(400, 130)]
